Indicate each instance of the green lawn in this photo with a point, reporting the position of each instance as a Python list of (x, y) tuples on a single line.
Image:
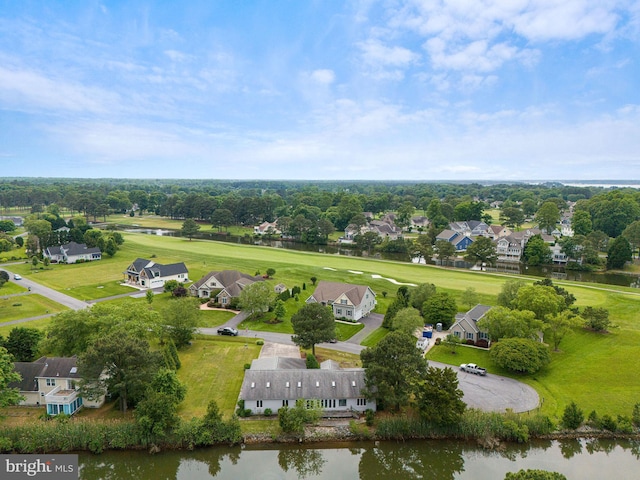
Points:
[(25, 306), (597, 371), (374, 337), (344, 331), (9, 288), (215, 318), (40, 324), (213, 369)]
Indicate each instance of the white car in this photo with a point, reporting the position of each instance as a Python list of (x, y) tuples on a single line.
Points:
[(17, 277)]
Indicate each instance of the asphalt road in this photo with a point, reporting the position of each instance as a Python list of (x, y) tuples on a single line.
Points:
[(489, 393)]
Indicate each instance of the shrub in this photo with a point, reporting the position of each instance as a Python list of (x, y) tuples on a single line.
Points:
[(470, 342), (635, 417), (247, 366), (624, 425), (312, 362), (438, 341), (268, 412), (515, 432), (16, 305), (608, 423), (593, 420), (369, 417), (260, 342), (572, 417)]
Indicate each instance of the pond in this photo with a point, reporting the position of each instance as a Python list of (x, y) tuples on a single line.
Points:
[(439, 460)]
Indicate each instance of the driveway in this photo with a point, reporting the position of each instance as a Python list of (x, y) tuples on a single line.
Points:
[(490, 393)]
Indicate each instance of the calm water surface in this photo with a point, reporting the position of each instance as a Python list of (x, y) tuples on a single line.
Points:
[(576, 459)]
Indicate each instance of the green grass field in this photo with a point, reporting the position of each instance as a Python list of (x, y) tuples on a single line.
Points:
[(596, 371), (25, 306), (374, 337), (213, 369)]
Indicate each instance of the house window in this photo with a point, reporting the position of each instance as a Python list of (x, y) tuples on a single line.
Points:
[(469, 336), (223, 300), (71, 385), (342, 402), (51, 382), (361, 401), (259, 403), (285, 403), (483, 335), (457, 334), (338, 311), (349, 312), (343, 302)]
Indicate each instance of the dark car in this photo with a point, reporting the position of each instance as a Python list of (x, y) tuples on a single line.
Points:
[(228, 331)]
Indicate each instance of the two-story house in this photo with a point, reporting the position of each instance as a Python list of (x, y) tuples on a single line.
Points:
[(351, 302)]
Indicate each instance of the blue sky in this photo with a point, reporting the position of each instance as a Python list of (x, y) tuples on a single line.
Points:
[(326, 89)]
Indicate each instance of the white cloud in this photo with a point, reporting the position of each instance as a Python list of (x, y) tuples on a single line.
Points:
[(177, 56), (323, 76), (29, 90), (378, 55)]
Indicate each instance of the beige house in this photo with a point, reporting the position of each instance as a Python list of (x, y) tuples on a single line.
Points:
[(350, 302), (52, 382), (222, 286)]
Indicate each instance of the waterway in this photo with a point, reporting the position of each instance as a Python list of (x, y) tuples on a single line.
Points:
[(556, 272), (437, 460)]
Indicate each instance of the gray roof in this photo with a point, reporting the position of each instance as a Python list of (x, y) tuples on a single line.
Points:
[(328, 292), (477, 312), (467, 321), (150, 267), (278, 363), (74, 248), (308, 384), (233, 281), (44, 367)]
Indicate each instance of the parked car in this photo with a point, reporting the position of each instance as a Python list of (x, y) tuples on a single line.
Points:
[(473, 368), (228, 331), (17, 277)]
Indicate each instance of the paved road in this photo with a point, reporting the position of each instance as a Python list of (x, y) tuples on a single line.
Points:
[(491, 393)]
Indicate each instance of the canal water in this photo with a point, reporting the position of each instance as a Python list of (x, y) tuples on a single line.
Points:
[(591, 459)]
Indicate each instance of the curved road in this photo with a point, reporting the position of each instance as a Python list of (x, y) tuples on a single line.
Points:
[(490, 393)]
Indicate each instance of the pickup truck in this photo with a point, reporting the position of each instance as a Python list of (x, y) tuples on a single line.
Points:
[(473, 368)]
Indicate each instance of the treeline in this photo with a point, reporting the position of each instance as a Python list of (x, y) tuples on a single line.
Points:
[(311, 211)]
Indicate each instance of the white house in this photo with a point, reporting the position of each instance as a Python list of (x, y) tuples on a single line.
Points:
[(72, 252), (148, 274), (52, 382), (281, 382), (351, 302)]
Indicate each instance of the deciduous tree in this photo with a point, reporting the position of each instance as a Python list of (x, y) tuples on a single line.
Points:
[(392, 369), (482, 251), (313, 324), (618, 253), (181, 319), (520, 355), (501, 322), (256, 298), (190, 228), (23, 343), (119, 364), (440, 308), (408, 320), (8, 396)]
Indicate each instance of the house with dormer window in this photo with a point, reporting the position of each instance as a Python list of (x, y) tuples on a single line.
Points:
[(350, 302), (148, 274), (52, 382)]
